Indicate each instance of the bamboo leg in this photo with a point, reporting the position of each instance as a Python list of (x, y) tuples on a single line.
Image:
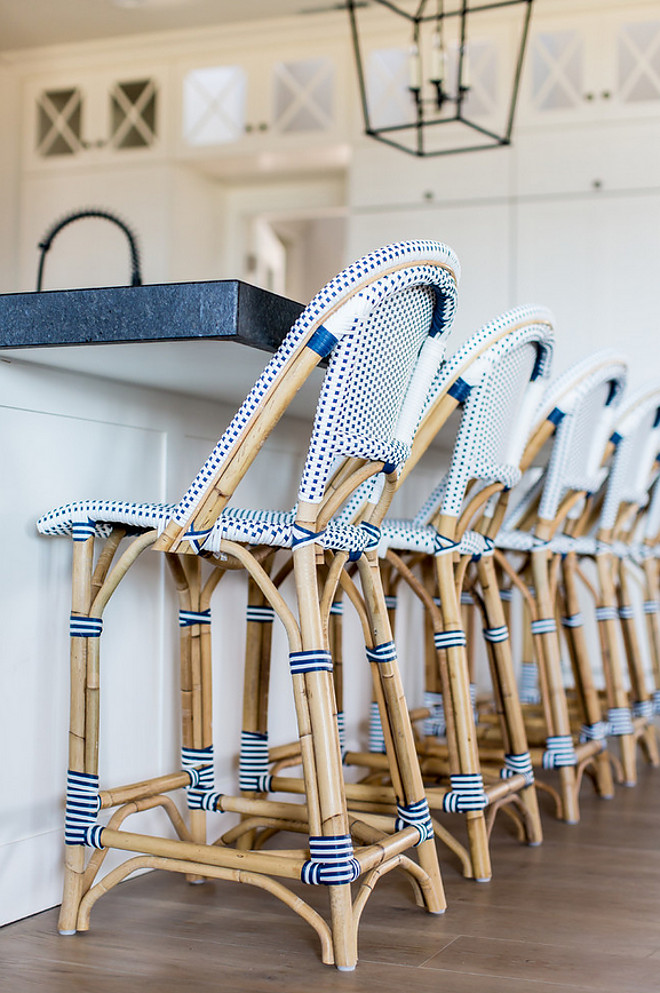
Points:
[(461, 730), (74, 861), (553, 687), (501, 661), (612, 664), (590, 704), (652, 616), (640, 694), (400, 743)]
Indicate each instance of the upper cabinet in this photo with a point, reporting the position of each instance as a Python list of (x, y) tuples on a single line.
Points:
[(261, 104), (580, 69), (94, 117)]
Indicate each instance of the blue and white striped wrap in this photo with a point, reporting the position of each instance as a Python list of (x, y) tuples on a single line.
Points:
[(435, 725), (376, 737), (391, 602), (656, 702), (467, 793), (467, 600), (202, 779), (572, 621), (83, 530), (594, 732), (529, 683), (607, 614), (544, 625), (263, 614), (506, 595), (449, 639), (187, 618), (643, 708), (495, 635), (253, 775), (559, 751), (415, 815), (627, 612), (85, 627), (518, 765), (620, 721), (83, 803), (442, 545), (313, 660), (381, 654), (650, 606), (331, 861), (341, 731), (336, 608)]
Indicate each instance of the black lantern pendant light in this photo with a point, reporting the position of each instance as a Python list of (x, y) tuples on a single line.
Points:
[(435, 110)]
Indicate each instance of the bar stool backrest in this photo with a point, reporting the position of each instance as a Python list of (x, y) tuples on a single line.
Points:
[(497, 374), (371, 321), (582, 403), (638, 443)]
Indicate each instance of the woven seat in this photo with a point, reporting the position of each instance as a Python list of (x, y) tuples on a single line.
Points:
[(381, 323)]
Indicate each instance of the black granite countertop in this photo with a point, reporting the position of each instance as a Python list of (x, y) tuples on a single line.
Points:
[(224, 309)]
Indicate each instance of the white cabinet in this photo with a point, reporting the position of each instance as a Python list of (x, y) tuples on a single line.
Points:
[(259, 104), (593, 69), (93, 117)]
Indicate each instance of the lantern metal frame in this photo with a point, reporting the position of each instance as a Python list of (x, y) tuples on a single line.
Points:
[(424, 120)]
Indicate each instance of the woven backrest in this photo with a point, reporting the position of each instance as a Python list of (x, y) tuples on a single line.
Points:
[(493, 373), (582, 403), (371, 320), (637, 434)]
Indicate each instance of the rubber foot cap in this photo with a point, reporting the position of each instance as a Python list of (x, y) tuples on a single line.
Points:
[(65, 933)]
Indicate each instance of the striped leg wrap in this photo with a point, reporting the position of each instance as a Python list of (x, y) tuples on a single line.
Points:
[(594, 732), (337, 608), (643, 708), (437, 601), (376, 738), (434, 725), (262, 615), (83, 531), (607, 614), (467, 793), (201, 779), (316, 660), (331, 861), (187, 618), (650, 606), (495, 635), (253, 775), (518, 765), (85, 627), (656, 702), (415, 815), (449, 639), (620, 721), (341, 731), (572, 621), (559, 751), (529, 683), (391, 602), (382, 653), (82, 805), (467, 600), (627, 612), (473, 701), (506, 596), (545, 625)]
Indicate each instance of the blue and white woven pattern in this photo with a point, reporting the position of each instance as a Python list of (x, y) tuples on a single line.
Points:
[(467, 793), (587, 396), (638, 428), (415, 815), (411, 286), (279, 529), (518, 765), (656, 702), (620, 721), (89, 518), (198, 763), (559, 751), (529, 683), (376, 737), (331, 861), (643, 708), (435, 725), (594, 732), (82, 806), (253, 763)]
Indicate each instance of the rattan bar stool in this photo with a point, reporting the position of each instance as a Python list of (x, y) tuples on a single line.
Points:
[(496, 378), (576, 418), (381, 324)]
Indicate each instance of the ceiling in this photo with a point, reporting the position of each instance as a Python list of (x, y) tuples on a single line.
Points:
[(30, 23)]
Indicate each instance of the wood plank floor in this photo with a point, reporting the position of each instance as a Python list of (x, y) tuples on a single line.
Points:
[(582, 912)]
